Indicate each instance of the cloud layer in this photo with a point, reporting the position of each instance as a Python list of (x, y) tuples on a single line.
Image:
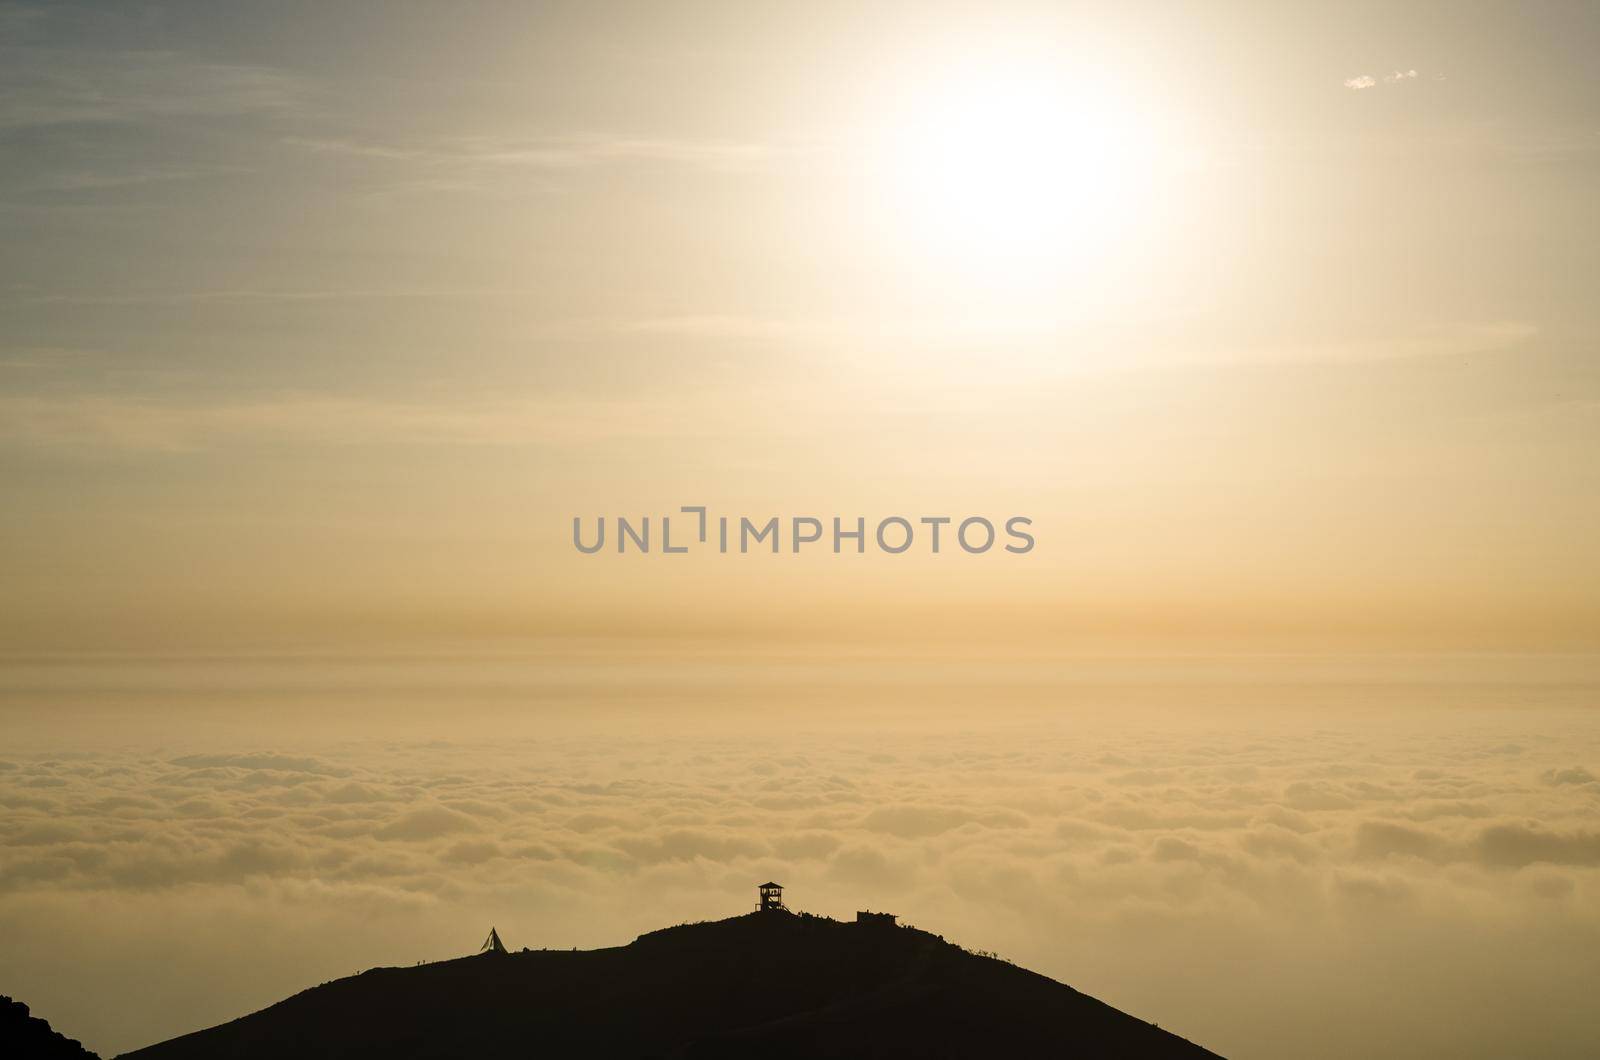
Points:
[(1205, 876)]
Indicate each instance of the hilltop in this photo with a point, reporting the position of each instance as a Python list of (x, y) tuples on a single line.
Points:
[(26, 1035), (769, 984)]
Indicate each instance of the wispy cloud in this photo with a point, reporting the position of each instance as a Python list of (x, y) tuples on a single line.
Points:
[(98, 121), (101, 177), (1444, 340), (464, 155), (18, 20), (97, 423), (223, 295), (43, 87)]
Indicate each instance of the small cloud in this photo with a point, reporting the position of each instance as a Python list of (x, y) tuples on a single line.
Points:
[(1362, 81)]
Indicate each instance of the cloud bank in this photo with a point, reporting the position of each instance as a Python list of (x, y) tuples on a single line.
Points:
[(1205, 876)]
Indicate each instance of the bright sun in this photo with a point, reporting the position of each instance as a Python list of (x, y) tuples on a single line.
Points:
[(1017, 169)]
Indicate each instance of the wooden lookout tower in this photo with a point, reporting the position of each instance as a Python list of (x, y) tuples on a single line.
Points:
[(771, 898), (492, 944)]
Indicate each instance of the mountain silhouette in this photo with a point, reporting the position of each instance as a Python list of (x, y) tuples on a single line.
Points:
[(768, 984), (24, 1035)]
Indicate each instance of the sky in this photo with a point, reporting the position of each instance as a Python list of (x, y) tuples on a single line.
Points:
[(321, 323)]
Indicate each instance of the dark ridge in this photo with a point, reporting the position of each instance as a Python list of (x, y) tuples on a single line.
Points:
[(768, 984), (22, 1035)]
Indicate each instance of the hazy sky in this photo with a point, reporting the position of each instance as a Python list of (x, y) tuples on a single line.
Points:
[(322, 321)]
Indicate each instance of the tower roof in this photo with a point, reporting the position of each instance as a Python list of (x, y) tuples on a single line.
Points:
[(769, 883)]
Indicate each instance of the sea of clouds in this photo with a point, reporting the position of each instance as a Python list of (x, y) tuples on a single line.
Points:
[(1316, 882)]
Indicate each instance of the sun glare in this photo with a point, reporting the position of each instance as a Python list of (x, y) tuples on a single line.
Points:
[(1019, 170)]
